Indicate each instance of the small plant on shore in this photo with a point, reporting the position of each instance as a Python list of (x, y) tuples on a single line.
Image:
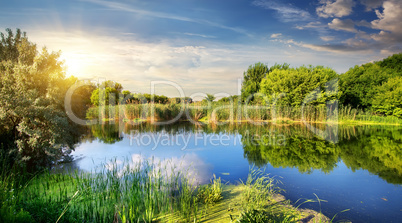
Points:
[(210, 193), (259, 190)]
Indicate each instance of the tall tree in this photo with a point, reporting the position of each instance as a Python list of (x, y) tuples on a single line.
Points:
[(252, 79), (253, 76), (34, 127), (108, 93)]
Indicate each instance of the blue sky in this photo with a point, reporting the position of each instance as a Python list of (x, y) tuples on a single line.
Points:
[(203, 45)]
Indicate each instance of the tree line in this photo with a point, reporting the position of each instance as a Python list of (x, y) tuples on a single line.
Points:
[(112, 93), (375, 87)]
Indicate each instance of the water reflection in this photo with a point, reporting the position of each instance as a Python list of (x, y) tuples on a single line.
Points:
[(376, 149), (106, 133), (191, 165)]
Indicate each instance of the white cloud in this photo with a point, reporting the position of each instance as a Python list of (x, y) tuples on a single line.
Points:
[(327, 38), (199, 35), (276, 35), (363, 23), (371, 4), (287, 13), (338, 48), (391, 17), (345, 25), (389, 52), (347, 46), (356, 43), (311, 25), (337, 8), (389, 22)]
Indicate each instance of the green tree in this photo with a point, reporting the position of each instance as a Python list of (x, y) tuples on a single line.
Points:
[(252, 79), (108, 93), (232, 98), (253, 76), (112, 84), (388, 100), (33, 122), (126, 92), (361, 84), (106, 96), (291, 87), (210, 97)]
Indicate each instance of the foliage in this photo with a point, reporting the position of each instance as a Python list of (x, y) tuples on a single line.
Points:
[(105, 96), (186, 100), (392, 62), (388, 100), (112, 84), (145, 98), (7, 214), (253, 76), (252, 79), (32, 90), (230, 99), (210, 97), (361, 84), (294, 86)]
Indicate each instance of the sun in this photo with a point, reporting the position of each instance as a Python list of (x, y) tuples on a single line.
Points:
[(75, 65)]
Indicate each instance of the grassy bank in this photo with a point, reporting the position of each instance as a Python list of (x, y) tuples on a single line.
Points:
[(143, 192), (221, 112)]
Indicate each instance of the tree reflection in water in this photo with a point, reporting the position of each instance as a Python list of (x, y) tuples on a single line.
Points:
[(377, 149)]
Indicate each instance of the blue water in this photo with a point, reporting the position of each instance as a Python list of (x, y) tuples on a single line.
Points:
[(368, 182)]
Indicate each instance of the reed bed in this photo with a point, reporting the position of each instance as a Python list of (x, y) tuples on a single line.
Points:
[(141, 192), (217, 112)]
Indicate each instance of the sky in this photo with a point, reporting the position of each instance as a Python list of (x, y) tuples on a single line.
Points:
[(204, 46)]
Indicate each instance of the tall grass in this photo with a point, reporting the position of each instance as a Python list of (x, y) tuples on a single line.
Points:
[(356, 115), (218, 112), (139, 192)]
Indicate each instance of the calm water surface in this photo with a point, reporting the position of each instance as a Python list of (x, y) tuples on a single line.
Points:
[(351, 167)]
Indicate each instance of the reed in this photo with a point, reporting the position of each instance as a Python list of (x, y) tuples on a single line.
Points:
[(219, 112), (139, 192)]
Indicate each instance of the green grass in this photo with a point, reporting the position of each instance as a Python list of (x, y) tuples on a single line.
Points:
[(210, 193), (140, 192)]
